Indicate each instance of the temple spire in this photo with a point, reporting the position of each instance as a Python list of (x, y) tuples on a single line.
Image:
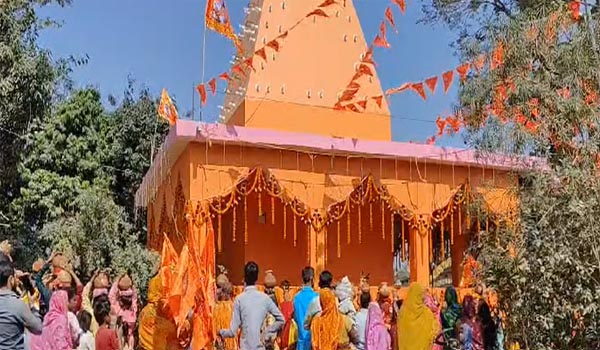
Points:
[(296, 87)]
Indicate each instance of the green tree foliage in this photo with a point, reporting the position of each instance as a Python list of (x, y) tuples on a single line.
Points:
[(542, 100), (28, 79)]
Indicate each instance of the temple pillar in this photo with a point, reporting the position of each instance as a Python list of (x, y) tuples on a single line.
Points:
[(419, 255)]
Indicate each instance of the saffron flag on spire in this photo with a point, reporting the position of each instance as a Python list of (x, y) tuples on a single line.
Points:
[(217, 19), (166, 108)]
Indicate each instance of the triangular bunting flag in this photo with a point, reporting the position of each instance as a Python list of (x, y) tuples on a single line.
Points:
[(390, 17), (378, 100), (352, 107), (398, 90), (431, 84), (237, 69), (419, 89), (365, 70), (224, 76), (430, 141), (381, 42), (454, 123), (274, 44), (338, 107), (348, 95), (212, 84), (202, 92), (249, 62), (369, 56), (353, 85), (317, 12), (362, 104), (401, 4), (447, 79), (463, 70), (575, 7), (262, 53)]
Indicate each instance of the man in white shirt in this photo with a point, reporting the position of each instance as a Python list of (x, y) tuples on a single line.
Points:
[(361, 320)]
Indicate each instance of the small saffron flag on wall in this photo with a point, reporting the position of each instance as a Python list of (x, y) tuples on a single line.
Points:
[(217, 19), (202, 92), (166, 108)]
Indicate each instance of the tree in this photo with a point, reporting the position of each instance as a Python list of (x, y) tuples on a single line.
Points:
[(28, 79), (540, 97)]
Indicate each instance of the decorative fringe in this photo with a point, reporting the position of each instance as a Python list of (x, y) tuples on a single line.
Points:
[(402, 243), (259, 196), (430, 234), (272, 210), (339, 246), (246, 220), (308, 243), (359, 223), (234, 222), (459, 221), (443, 248), (219, 231), (392, 232), (371, 216), (349, 235), (295, 231), (452, 228), (382, 221), (284, 221)]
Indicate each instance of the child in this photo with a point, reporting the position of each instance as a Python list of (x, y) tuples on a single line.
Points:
[(106, 338), (122, 334), (73, 321), (86, 340), (123, 300)]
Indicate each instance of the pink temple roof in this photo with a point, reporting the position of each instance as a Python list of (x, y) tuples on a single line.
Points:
[(186, 131)]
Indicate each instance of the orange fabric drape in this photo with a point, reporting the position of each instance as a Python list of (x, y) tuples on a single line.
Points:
[(222, 316), (168, 263), (326, 326)]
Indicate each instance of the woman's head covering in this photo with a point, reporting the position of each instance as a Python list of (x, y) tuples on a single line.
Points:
[(155, 290), (469, 310), (377, 337), (344, 289), (432, 304), (417, 326), (453, 312), (56, 334), (325, 328)]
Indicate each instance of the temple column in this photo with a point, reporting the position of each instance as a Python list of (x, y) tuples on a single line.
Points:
[(419, 252)]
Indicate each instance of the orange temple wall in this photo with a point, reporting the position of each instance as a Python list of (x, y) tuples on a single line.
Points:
[(193, 178)]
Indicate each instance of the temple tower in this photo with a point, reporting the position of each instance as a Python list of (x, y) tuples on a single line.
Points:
[(296, 88)]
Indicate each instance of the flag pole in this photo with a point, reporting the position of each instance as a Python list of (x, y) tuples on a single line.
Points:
[(203, 53)]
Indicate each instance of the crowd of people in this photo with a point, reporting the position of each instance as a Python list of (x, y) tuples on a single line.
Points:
[(50, 308), (340, 316)]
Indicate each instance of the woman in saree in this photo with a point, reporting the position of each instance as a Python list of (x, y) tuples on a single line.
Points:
[(56, 334), (330, 329), (417, 326), (433, 305), (452, 313), (378, 336), (471, 332)]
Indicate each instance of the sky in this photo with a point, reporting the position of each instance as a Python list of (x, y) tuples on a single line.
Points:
[(160, 44)]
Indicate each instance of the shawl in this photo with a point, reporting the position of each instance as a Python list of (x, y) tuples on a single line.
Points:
[(378, 337), (56, 334), (417, 326), (435, 309), (453, 312), (325, 327), (156, 331)]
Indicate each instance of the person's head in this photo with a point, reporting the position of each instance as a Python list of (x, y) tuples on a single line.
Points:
[(251, 273), (365, 300), (285, 286), (126, 301), (399, 303), (85, 320), (102, 312), (72, 294), (325, 279), (308, 276), (7, 275), (469, 307)]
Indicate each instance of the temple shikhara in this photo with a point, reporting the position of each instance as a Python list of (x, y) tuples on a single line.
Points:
[(292, 177)]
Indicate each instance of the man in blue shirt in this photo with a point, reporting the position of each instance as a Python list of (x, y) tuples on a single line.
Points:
[(302, 302)]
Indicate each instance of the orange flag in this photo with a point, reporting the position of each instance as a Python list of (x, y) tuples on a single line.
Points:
[(274, 44), (430, 141), (348, 95), (237, 69), (441, 124), (249, 62), (262, 53), (402, 5), (202, 92), (365, 70), (327, 3), (353, 108), (432, 84), (168, 264), (317, 12), (212, 84), (463, 70), (390, 17), (378, 100), (217, 19), (224, 76), (166, 108), (369, 56), (454, 123), (353, 85), (447, 78), (419, 89), (179, 286), (381, 42), (362, 104), (575, 7)]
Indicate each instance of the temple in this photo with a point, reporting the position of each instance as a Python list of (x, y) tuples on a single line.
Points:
[(289, 181)]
